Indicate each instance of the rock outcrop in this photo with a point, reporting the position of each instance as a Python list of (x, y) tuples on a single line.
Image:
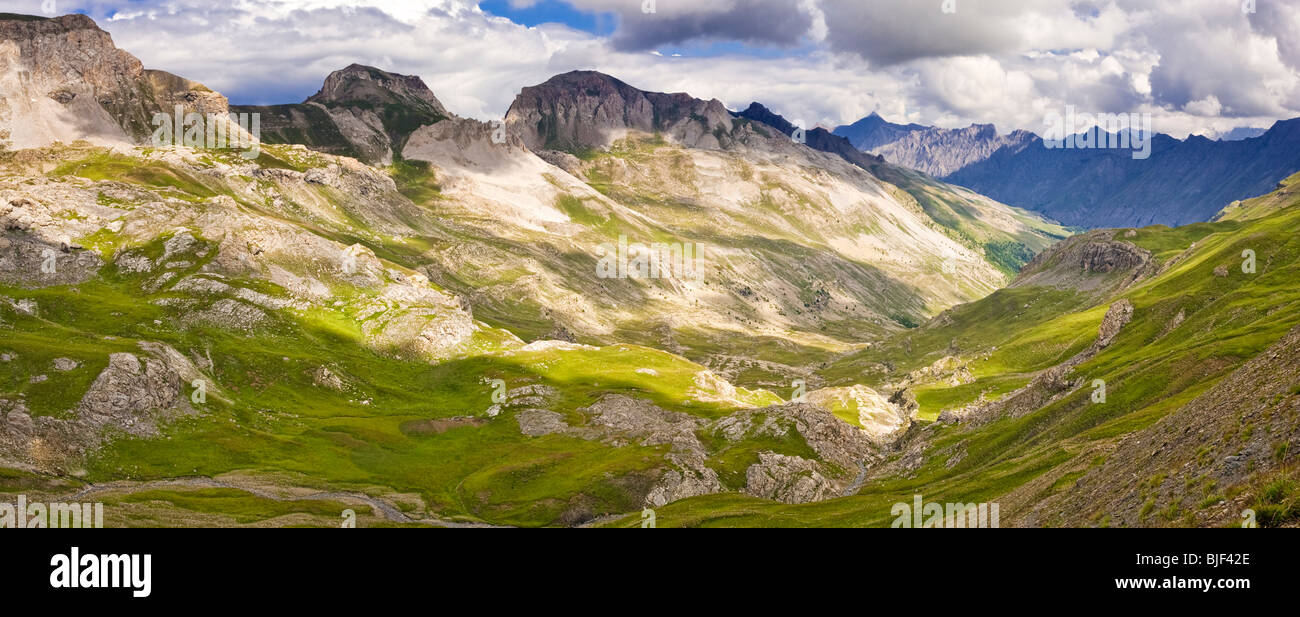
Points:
[(133, 396), (881, 419), (1050, 384), (841, 449), (1096, 263), (940, 152), (788, 479)]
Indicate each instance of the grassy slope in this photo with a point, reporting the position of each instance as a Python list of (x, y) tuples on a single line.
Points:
[(276, 421), (1156, 364)]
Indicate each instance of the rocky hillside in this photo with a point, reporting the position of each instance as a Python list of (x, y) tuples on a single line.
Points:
[(195, 338), (62, 79), (521, 227), (360, 111)]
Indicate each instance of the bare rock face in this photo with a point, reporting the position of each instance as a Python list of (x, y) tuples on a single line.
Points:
[(62, 79), (1111, 256), (940, 152), (230, 314), (881, 420), (841, 448), (1117, 316), (26, 261), (1094, 262), (585, 109), (539, 422), (375, 88), (788, 479), (905, 400), (326, 378), (133, 395), (649, 425), (678, 484), (832, 439), (127, 388)]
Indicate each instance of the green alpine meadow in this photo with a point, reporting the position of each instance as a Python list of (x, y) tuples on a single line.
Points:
[(624, 308)]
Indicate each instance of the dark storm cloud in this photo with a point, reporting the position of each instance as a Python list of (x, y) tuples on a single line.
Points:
[(648, 24)]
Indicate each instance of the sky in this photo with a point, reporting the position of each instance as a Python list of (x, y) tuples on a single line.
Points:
[(1197, 66)]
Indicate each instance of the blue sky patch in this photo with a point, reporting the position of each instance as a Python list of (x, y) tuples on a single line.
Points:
[(553, 12)]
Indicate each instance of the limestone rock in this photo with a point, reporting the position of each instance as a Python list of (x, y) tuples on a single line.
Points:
[(788, 479), (63, 79)]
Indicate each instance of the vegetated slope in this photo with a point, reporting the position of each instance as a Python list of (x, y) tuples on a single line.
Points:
[(193, 337), (1202, 391), (799, 254), (220, 342), (813, 242)]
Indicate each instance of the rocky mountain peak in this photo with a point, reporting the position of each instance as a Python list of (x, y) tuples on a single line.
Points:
[(63, 79), (586, 109), (816, 138), (360, 111), (874, 131), (367, 86)]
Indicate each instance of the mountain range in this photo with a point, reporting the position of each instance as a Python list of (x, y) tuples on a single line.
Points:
[(398, 311), (1183, 181)]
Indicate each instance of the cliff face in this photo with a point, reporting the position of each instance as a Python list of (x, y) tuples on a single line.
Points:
[(63, 79), (940, 152)]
